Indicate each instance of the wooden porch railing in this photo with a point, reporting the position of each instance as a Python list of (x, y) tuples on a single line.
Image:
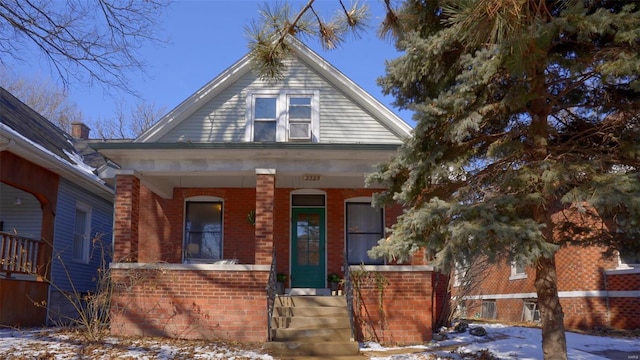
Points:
[(19, 255)]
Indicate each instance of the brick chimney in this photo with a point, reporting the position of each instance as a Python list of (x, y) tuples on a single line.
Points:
[(80, 131)]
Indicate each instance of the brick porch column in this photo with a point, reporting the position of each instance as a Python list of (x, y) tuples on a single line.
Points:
[(126, 215), (265, 192)]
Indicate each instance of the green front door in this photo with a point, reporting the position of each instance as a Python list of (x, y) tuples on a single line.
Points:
[(307, 248)]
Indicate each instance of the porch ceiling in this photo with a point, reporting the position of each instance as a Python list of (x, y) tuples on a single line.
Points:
[(162, 170)]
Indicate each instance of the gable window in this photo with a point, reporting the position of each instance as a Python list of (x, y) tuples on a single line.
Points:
[(365, 227), (81, 233), (203, 230), (281, 116), (265, 120)]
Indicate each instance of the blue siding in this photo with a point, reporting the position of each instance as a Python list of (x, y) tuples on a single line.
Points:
[(82, 274), (25, 219)]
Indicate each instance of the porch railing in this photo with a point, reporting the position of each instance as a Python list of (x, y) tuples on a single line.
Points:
[(348, 293), (18, 255), (271, 293)]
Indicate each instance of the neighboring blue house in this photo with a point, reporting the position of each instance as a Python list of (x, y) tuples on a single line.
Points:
[(49, 194)]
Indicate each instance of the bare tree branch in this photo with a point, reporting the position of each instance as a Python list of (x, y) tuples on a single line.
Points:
[(82, 40)]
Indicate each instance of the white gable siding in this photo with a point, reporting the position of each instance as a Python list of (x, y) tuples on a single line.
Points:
[(222, 119)]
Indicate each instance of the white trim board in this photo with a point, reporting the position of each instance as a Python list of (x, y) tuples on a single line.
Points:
[(561, 294)]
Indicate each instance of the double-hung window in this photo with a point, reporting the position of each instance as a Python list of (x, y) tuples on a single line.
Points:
[(365, 227), (81, 233), (203, 230), (283, 115)]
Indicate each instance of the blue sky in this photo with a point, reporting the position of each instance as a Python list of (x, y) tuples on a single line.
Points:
[(207, 36)]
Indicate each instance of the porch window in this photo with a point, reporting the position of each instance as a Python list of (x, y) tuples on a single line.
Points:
[(203, 231), (365, 227), (281, 116), (81, 233)]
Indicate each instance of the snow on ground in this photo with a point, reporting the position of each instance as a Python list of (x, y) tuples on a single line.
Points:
[(503, 342), (523, 343)]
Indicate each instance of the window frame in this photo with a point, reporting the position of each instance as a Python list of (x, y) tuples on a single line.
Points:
[(623, 264), (202, 199), (515, 274), (283, 122), (86, 234), (360, 201)]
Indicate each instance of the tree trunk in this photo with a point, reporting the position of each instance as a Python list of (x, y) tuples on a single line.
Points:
[(554, 343)]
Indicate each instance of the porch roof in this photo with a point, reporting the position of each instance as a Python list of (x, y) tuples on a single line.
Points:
[(165, 166)]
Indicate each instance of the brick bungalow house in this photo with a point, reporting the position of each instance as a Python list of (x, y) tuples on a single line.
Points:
[(247, 173), (595, 291)]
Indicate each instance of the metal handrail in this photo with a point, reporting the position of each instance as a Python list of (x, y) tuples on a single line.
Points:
[(18, 255), (348, 293), (271, 292)]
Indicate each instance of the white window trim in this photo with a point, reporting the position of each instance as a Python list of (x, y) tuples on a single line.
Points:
[(624, 265), (282, 115), (514, 274), (203, 198), (87, 233)]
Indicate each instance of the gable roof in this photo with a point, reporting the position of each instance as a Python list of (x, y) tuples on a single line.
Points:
[(28, 134), (244, 66)]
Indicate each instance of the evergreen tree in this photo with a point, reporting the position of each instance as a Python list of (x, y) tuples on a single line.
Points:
[(526, 110)]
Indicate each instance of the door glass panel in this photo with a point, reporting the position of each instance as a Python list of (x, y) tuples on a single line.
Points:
[(308, 239)]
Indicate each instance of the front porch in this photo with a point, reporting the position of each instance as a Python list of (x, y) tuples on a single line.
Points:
[(230, 301), (23, 293), (175, 277)]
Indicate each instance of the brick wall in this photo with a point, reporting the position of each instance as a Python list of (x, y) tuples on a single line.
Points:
[(582, 287), (162, 224), (393, 307), (190, 304)]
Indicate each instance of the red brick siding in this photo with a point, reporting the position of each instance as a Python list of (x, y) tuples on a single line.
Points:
[(623, 282), (441, 296), (281, 230), (406, 314), (625, 312), (190, 304), (265, 203), (162, 224), (579, 269), (126, 218)]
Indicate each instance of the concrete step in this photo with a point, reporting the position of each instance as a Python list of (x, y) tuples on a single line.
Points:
[(310, 301), (303, 348), (310, 311), (311, 326), (311, 335), (311, 322)]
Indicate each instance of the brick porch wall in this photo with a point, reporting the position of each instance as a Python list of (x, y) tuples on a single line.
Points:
[(404, 314), (189, 302)]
